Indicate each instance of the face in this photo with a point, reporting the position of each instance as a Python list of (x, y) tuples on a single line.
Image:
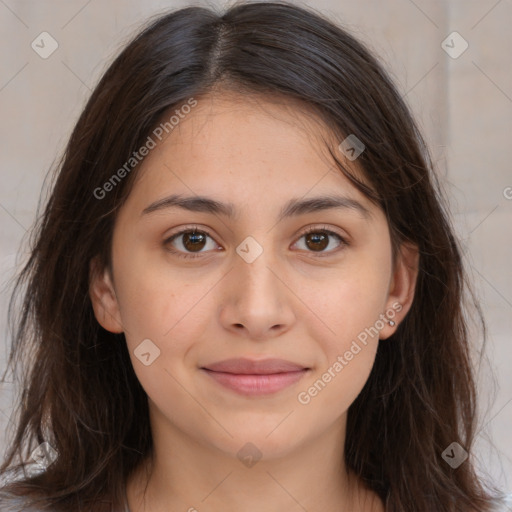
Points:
[(266, 276)]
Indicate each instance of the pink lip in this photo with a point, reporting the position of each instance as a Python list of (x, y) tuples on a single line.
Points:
[(250, 377)]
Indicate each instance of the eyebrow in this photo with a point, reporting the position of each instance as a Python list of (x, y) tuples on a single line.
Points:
[(293, 207)]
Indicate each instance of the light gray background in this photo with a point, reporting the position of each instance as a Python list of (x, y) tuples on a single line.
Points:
[(464, 106)]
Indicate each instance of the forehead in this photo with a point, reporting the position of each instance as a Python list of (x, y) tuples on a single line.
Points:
[(245, 146), (231, 125)]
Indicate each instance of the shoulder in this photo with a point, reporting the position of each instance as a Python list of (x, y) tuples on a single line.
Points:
[(10, 502)]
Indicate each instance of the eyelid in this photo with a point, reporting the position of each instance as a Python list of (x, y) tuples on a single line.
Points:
[(312, 229), (187, 229), (331, 232)]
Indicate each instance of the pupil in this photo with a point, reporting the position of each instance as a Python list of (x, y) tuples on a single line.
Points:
[(195, 240), (192, 239), (315, 237)]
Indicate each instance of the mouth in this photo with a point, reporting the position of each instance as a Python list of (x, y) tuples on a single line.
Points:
[(251, 377)]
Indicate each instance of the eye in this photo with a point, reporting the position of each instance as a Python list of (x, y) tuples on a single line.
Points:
[(192, 242), (317, 239), (188, 242)]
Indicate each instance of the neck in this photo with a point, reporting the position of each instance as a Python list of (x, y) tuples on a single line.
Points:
[(185, 475)]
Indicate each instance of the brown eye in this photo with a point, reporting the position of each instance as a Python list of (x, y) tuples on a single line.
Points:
[(317, 241), (193, 241), (190, 243)]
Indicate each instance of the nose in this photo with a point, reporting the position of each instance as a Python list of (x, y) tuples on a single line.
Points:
[(257, 302)]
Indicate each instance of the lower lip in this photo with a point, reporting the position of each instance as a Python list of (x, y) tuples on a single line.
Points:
[(256, 384)]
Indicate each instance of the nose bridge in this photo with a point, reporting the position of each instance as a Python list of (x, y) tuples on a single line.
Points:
[(253, 269), (257, 298)]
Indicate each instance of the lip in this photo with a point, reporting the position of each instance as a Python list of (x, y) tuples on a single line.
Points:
[(252, 377)]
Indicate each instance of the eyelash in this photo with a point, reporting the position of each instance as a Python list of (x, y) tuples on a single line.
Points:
[(195, 229)]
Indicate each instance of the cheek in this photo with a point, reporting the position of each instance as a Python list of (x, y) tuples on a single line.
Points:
[(349, 306), (166, 307), (357, 311), (350, 309), (329, 394), (156, 299), (161, 319)]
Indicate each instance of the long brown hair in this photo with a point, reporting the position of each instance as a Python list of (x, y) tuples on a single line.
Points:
[(78, 390)]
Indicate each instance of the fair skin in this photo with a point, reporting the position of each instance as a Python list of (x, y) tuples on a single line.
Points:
[(292, 302)]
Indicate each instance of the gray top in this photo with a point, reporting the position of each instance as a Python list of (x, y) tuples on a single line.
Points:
[(11, 503)]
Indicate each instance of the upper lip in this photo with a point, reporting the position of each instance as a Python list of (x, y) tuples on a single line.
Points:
[(253, 367)]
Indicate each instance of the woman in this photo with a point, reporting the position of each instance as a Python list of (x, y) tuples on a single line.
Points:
[(244, 291)]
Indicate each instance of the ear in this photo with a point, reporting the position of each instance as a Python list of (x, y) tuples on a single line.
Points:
[(103, 298), (401, 288)]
